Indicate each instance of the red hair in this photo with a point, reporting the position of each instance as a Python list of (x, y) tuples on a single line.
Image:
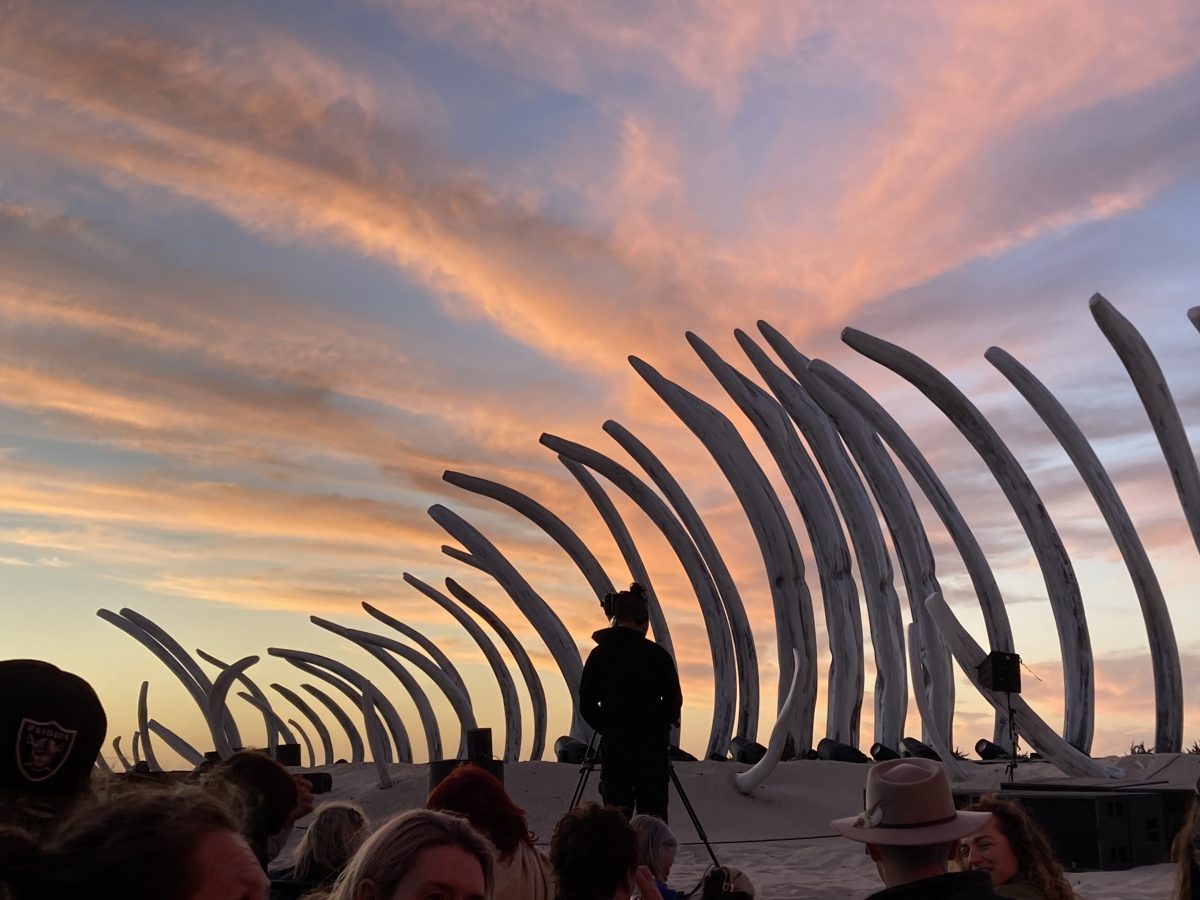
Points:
[(478, 795)]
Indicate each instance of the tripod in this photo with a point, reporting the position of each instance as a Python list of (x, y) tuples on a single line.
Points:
[(1011, 768), (589, 764)]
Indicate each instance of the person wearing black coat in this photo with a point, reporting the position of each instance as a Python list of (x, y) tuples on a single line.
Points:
[(630, 694)]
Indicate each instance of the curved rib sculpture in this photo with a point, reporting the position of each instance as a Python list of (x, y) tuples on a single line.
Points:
[(309, 713), (558, 530), (273, 724), (217, 699), (838, 593), (371, 699), (504, 679), (1164, 652), (716, 625), (795, 628), (918, 675), (1057, 572), (198, 694), (352, 733), (460, 701), (162, 636), (883, 606), (544, 620), (308, 744), (745, 652), (1029, 724), (116, 745), (351, 683), (983, 581), (747, 782), (143, 717), (190, 754), (276, 724), (1147, 377), (435, 653), (1194, 315), (528, 671), (913, 552), (137, 751), (629, 551)]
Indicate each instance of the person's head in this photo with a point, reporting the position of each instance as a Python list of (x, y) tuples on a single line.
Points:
[(594, 854), (52, 727), (1186, 852), (910, 825), (656, 844), (477, 794), (333, 836), (143, 844), (417, 855), (1011, 846), (260, 791), (632, 609)]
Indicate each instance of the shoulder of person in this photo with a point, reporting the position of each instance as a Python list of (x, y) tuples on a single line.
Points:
[(1018, 890), (976, 885)]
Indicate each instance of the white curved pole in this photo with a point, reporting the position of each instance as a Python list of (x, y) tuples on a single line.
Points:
[(745, 652), (524, 663), (746, 782), (143, 727), (116, 745), (311, 714), (350, 683), (274, 725), (172, 646), (1147, 377), (716, 624), (1164, 651), (353, 735), (918, 675), (379, 746), (912, 549), (190, 754), (843, 623), (198, 694), (504, 679), (1057, 572), (870, 549), (217, 697), (544, 620), (551, 524), (629, 551), (308, 744), (460, 701)]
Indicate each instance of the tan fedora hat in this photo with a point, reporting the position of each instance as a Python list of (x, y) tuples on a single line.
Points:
[(909, 803)]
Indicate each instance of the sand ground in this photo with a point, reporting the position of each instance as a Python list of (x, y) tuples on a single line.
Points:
[(780, 836)]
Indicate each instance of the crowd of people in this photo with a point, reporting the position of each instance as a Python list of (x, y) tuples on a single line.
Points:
[(67, 832)]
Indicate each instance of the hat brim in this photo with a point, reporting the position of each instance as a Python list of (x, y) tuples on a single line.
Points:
[(960, 826)]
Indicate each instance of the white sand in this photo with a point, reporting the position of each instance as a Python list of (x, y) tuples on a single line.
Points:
[(781, 835)]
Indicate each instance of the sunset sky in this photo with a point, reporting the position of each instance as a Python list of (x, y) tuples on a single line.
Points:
[(267, 270)]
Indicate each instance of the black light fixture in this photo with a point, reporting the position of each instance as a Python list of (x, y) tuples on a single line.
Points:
[(989, 750), (910, 746), (882, 752)]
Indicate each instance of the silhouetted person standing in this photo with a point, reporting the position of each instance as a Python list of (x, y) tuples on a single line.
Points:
[(630, 694)]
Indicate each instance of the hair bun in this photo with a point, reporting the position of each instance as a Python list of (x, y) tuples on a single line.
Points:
[(637, 589)]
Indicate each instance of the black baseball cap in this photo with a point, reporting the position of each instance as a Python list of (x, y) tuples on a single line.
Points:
[(52, 726)]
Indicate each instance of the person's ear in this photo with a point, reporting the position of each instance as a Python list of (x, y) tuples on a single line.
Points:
[(365, 890)]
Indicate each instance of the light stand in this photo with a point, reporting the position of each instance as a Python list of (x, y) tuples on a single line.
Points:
[(1000, 673)]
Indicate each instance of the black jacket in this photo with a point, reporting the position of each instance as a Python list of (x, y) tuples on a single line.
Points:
[(976, 885), (629, 685)]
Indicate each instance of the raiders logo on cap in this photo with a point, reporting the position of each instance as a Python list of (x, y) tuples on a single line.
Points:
[(42, 748)]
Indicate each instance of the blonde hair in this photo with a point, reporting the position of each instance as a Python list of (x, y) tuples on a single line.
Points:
[(654, 838), (334, 835), (392, 852)]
